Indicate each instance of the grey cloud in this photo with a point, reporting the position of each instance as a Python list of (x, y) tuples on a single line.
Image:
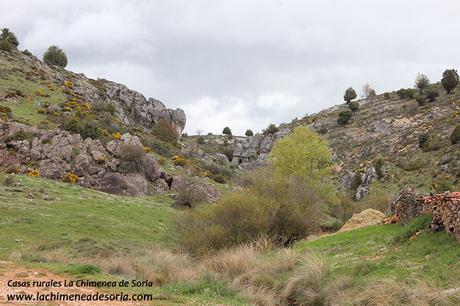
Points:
[(220, 60)]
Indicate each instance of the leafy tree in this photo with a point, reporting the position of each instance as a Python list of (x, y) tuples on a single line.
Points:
[(354, 106), (449, 80), (271, 129), (55, 56), (349, 95), (249, 133), (455, 136), (9, 36), (344, 117), (227, 131), (422, 82), (304, 154), (368, 91)]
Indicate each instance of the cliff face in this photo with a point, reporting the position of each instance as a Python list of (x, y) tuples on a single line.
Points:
[(384, 128)]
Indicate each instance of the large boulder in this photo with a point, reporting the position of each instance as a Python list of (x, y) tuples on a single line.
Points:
[(124, 184)]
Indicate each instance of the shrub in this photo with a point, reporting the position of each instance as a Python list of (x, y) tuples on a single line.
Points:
[(406, 93), (200, 140), (449, 80), (165, 132), (432, 94), (5, 45), (189, 193), (455, 136), (422, 82), (378, 165), (33, 173), (9, 37), (9, 180), (427, 142), (71, 178), (86, 128), (344, 117), (132, 153), (421, 100), (116, 135), (55, 56), (271, 129), (387, 95), (354, 106), (227, 131), (179, 161), (5, 112), (27, 53), (417, 224), (349, 94), (249, 133)]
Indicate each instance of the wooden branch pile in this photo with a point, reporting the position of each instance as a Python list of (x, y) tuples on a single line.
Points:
[(443, 208)]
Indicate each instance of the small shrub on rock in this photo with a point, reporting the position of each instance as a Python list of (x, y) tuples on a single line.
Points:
[(271, 129), (387, 95), (5, 45), (455, 136), (132, 153), (249, 133), (165, 132), (422, 82), (406, 93), (9, 37), (227, 131), (71, 178), (179, 161), (428, 142), (33, 173), (421, 100)]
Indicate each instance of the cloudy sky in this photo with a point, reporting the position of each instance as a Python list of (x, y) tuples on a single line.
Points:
[(244, 63)]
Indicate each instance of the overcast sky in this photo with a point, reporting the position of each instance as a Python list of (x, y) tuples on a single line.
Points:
[(244, 63)]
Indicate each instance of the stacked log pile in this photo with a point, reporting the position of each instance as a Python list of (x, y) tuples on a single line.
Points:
[(443, 208)]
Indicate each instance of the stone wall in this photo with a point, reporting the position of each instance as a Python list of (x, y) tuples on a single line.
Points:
[(444, 209)]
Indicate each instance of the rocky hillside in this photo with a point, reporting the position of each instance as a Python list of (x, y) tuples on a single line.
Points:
[(38, 94), (61, 125), (388, 139)]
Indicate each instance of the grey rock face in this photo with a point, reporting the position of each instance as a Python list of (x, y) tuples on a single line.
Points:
[(253, 151), (58, 153)]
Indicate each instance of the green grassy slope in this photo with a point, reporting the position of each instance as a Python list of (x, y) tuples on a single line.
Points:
[(369, 253), (79, 219)]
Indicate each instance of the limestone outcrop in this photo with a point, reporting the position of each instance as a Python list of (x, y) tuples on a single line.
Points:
[(61, 155)]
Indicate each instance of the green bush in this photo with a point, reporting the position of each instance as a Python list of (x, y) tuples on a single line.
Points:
[(406, 93), (249, 133), (349, 94), (378, 165), (422, 82), (227, 131), (27, 53), (189, 193), (9, 37), (449, 80), (432, 94), (55, 56), (271, 129), (421, 100), (354, 106), (200, 140), (5, 45), (344, 117), (428, 142), (387, 95), (455, 136), (417, 224), (86, 128)]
